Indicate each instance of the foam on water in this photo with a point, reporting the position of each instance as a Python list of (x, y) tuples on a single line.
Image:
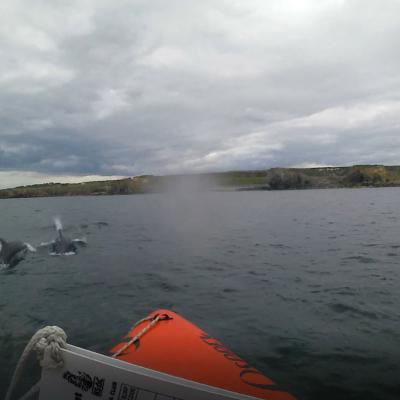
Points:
[(30, 247), (68, 253)]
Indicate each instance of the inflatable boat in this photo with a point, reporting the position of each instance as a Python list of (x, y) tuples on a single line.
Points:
[(163, 357)]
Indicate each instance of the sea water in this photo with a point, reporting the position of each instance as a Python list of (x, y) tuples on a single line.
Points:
[(304, 285)]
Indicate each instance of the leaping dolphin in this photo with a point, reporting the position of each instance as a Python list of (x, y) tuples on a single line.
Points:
[(11, 253), (62, 245)]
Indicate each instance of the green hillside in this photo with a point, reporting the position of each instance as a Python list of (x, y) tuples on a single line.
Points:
[(270, 179)]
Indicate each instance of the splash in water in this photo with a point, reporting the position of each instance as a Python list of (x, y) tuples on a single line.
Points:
[(62, 245), (58, 224)]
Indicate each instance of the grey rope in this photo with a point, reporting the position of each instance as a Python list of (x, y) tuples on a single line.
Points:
[(153, 321)]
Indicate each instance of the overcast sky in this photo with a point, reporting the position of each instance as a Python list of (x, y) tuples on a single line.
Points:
[(120, 88)]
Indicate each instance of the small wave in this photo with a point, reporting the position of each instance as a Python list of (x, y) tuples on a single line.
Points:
[(168, 287), (257, 273), (341, 308), (101, 224), (229, 290), (334, 249), (361, 259), (279, 246), (343, 291)]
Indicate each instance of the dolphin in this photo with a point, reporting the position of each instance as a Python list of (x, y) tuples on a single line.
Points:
[(11, 253), (62, 245)]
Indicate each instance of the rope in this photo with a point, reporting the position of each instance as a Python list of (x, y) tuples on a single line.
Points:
[(47, 343), (153, 320)]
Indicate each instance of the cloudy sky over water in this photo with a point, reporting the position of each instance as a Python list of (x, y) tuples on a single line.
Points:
[(118, 88)]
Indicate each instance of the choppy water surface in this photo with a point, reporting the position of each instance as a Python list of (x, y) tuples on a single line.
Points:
[(302, 284)]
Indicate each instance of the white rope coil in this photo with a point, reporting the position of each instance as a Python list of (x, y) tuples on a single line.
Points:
[(48, 348), (47, 343)]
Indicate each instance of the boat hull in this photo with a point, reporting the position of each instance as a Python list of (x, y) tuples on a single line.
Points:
[(177, 347)]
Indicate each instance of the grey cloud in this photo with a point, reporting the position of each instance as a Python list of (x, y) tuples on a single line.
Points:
[(99, 87)]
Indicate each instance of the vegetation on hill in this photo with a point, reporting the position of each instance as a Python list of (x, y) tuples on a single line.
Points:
[(271, 179), (122, 186), (313, 178)]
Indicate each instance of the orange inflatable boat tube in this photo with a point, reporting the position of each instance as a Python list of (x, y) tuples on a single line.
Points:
[(175, 346)]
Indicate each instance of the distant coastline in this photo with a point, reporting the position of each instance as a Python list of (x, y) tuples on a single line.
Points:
[(270, 179)]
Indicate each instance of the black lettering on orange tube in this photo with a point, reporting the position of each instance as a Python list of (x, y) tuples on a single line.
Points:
[(252, 377)]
